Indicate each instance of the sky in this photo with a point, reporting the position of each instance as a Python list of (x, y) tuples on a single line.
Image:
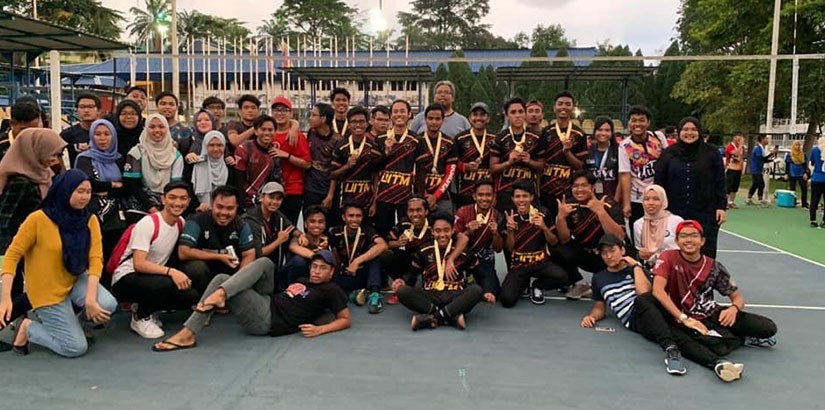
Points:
[(643, 24)]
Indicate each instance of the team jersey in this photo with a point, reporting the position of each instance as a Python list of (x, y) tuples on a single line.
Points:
[(356, 184), (531, 247), (434, 176), (555, 180), (424, 261), (467, 145), (640, 161), (395, 183), (505, 143)]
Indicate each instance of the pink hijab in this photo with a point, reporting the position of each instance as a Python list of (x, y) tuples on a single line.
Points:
[(31, 148), (654, 226)]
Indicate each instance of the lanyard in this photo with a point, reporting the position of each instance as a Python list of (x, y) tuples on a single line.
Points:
[(391, 134), (352, 149), (343, 130), (600, 162), (480, 218), (439, 263), (351, 253), (564, 136), (411, 232), (479, 146), (436, 152)]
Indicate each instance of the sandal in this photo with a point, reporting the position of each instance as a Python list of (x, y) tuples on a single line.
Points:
[(21, 350), (208, 307), (174, 345)]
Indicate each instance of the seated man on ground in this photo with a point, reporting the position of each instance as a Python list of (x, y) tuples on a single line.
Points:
[(143, 277), (357, 248), (528, 237), (479, 223), (218, 241), (405, 238), (248, 294), (304, 245), (270, 228), (580, 225), (625, 288), (705, 331), (444, 297)]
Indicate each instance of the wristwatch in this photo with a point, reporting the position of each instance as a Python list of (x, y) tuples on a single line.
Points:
[(682, 318)]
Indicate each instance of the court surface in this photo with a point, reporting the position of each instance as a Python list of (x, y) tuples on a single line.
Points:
[(529, 357)]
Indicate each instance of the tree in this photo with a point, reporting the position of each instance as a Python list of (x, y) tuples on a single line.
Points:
[(89, 16), (462, 76), (314, 19), (445, 24), (658, 91), (150, 23), (552, 36)]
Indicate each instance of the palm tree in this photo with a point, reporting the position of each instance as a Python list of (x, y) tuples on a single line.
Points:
[(89, 16), (150, 23)]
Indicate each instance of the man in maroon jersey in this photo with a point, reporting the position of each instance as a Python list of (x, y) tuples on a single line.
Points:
[(473, 148), (436, 162), (566, 150), (353, 162)]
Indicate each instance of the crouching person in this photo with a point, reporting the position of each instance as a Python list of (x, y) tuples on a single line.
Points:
[(63, 252), (248, 293), (444, 298)]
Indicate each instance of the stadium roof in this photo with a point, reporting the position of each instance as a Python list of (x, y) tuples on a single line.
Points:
[(571, 73), (23, 34)]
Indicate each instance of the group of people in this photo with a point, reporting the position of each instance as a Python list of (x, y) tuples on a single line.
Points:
[(160, 216)]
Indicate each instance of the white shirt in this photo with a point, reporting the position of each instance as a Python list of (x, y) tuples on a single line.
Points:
[(670, 235), (453, 125), (158, 251), (640, 164)]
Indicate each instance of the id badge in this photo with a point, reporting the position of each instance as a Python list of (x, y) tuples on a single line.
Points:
[(599, 187)]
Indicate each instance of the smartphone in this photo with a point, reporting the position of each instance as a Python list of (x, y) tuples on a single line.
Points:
[(604, 329)]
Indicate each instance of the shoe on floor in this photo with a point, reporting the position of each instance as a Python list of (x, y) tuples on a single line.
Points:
[(375, 303), (359, 297), (423, 321), (750, 202), (578, 291), (760, 341), (822, 225), (146, 328), (814, 225), (728, 371), (393, 299), (537, 295), (156, 318), (673, 361)]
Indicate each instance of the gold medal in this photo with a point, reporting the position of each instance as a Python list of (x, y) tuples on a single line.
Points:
[(435, 153), (439, 285), (519, 143), (440, 264), (480, 218), (356, 151), (533, 212), (519, 148), (564, 136)]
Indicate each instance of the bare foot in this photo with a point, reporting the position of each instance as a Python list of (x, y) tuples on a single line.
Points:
[(184, 339), (217, 300)]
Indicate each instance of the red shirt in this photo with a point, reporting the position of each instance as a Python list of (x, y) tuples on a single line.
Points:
[(292, 176)]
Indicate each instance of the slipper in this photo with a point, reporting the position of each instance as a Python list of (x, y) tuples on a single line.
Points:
[(208, 307), (174, 345)]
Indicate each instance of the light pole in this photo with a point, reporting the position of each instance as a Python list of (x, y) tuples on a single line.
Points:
[(175, 62), (772, 77)]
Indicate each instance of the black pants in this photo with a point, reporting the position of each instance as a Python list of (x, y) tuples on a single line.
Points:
[(572, 256), (637, 211), (758, 186), (548, 276), (386, 215), (291, 207), (803, 185), (453, 302), (314, 198), (154, 293), (817, 193), (650, 321), (549, 201)]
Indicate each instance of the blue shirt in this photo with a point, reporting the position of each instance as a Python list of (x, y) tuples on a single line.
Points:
[(818, 164), (618, 291), (758, 157), (793, 169)]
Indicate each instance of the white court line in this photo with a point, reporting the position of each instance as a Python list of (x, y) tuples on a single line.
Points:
[(774, 248), (753, 305), (746, 251)]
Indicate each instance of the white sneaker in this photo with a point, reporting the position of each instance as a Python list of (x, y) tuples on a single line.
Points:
[(146, 328), (156, 318)]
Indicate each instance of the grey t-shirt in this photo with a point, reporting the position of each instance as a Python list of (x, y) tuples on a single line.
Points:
[(454, 124)]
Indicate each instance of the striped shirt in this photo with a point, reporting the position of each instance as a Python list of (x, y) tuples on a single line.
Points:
[(618, 291)]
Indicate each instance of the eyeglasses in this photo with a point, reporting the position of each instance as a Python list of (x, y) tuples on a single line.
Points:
[(86, 107), (281, 110)]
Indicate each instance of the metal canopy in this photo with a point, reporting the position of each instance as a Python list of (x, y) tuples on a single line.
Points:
[(392, 73), (22, 34), (591, 73)]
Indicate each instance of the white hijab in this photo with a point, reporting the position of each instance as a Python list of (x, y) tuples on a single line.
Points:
[(156, 158), (209, 174)]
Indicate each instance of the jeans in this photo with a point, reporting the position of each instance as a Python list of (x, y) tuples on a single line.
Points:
[(248, 294), (59, 329), (368, 277), (548, 276), (454, 303)]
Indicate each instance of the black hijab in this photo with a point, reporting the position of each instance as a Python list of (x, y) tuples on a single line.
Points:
[(703, 158), (127, 138)]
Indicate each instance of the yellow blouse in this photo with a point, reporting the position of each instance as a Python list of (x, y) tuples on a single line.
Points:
[(38, 241)]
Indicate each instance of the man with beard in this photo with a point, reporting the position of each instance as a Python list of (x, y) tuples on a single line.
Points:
[(454, 123), (473, 153)]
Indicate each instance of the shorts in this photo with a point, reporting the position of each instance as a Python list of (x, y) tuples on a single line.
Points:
[(733, 180)]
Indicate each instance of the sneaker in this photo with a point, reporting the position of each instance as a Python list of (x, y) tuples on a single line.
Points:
[(578, 291), (764, 203), (146, 328), (814, 224), (822, 225), (375, 303), (750, 202), (459, 322), (393, 299), (537, 295), (156, 318), (526, 292), (731, 205), (760, 341), (728, 371), (423, 321), (805, 206), (358, 297), (673, 361)]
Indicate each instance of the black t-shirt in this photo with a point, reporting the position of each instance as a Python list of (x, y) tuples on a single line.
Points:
[(586, 228), (74, 136), (346, 254), (468, 152), (531, 248), (395, 185), (415, 242), (303, 302), (505, 143), (201, 232), (355, 185), (424, 261), (237, 126), (424, 161), (605, 167), (555, 180), (320, 150)]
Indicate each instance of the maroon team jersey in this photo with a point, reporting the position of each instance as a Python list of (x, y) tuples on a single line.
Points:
[(505, 143), (467, 151), (531, 248), (424, 161), (395, 183), (356, 184), (555, 180)]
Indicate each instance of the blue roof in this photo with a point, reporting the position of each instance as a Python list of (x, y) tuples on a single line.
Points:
[(120, 66)]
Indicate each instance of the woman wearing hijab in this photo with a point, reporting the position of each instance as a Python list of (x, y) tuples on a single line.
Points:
[(191, 147), (603, 160), (211, 173), (150, 165), (25, 178), (100, 164), (61, 244), (128, 122), (796, 165), (692, 174), (656, 231)]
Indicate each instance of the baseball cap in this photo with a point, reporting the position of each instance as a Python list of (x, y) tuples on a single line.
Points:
[(609, 239), (282, 101), (271, 188), (325, 255), (690, 223), (480, 106)]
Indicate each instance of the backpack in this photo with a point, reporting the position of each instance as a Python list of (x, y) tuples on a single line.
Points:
[(116, 258)]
